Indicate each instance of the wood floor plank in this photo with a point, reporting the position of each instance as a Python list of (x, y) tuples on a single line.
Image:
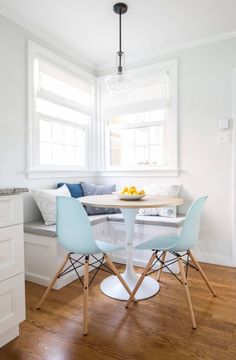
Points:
[(157, 328)]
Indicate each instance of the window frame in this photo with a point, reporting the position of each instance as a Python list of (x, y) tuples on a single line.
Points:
[(34, 168), (96, 164), (171, 151)]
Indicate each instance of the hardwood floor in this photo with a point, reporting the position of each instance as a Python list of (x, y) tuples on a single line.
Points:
[(157, 328)]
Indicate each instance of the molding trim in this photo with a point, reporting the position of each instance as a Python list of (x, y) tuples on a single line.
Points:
[(57, 174), (60, 283), (100, 70), (152, 57), (85, 63), (204, 257), (215, 259)]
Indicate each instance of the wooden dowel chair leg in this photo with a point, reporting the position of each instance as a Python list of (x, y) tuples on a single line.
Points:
[(185, 285), (163, 257), (86, 286), (116, 272), (196, 263), (52, 282), (149, 264)]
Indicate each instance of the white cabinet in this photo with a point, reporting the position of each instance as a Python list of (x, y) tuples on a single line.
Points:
[(11, 251), (11, 210), (12, 307), (12, 286)]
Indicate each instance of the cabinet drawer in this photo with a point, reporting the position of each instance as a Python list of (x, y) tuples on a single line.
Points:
[(12, 302), (11, 251), (11, 210)]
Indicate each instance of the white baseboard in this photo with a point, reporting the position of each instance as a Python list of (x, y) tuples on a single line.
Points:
[(208, 258), (121, 260), (215, 259), (60, 283), (37, 279)]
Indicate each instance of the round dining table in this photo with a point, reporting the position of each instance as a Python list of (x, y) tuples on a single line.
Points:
[(111, 286)]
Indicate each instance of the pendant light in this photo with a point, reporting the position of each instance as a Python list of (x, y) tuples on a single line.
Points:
[(120, 82)]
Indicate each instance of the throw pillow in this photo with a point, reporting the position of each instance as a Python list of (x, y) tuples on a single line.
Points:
[(164, 190), (75, 189), (46, 201), (93, 189)]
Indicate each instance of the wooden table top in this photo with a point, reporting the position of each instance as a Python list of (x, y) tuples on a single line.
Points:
[(149, 201)]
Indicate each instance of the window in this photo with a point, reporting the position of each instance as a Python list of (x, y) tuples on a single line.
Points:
[(69, 132), (61, 107), (137, 139), (140, 129)]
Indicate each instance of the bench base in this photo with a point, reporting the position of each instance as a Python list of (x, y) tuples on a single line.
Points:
[(44, 254)]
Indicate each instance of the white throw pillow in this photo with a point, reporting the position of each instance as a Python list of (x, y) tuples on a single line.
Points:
[(164, 190), (46, 201)]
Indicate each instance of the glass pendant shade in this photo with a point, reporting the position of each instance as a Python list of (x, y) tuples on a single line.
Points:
[(120, 82)]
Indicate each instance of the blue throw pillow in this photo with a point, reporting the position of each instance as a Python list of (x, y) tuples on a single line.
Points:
[(93, 189), (75, 190)]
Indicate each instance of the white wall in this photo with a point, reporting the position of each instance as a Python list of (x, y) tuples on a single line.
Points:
[(205, 93), (13, 91)]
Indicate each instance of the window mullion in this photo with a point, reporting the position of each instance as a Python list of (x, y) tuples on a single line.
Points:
[(147, 125)]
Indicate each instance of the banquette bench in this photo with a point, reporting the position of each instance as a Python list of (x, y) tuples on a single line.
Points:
[(43, 253)]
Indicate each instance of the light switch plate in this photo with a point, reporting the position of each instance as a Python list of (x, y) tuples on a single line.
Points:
[(224, 137), (223, 124)]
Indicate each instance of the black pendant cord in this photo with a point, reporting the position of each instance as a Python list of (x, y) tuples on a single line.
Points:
[(120, 9), (120, 32), (120, 51)]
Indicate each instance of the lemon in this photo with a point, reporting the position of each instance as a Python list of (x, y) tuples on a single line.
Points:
[(132, 191)]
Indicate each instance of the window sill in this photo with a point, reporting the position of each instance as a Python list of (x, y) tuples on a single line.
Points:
[(66, 173)]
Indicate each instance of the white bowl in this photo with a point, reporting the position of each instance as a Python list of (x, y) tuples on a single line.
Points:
[(128, 197)]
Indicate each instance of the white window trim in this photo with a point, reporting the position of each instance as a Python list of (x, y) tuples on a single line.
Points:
[(96, 148), (106, 171), (33, 170)]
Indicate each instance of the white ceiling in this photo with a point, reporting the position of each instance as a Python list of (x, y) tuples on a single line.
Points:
[(90, 27)]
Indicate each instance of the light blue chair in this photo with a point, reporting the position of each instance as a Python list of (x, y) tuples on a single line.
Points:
[(179, 246), (75, 234)]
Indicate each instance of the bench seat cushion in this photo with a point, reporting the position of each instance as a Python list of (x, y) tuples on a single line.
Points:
[(151, 220), (38, 227)]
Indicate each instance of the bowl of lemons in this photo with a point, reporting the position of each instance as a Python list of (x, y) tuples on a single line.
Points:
[(130, 193)]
